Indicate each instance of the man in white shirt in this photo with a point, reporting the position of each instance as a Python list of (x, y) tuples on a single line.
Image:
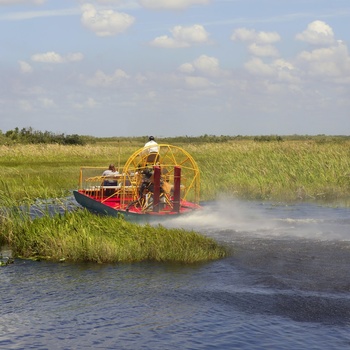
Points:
[(151, 150), (154, 144)]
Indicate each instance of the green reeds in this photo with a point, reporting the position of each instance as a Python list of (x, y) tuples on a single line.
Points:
[(287, 171), (52, 171), (83, 236)]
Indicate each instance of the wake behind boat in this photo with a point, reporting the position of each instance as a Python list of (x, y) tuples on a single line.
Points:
[(151, 186)]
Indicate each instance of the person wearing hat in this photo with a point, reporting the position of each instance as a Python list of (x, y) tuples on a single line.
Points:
[(153, 143), (151, 149)]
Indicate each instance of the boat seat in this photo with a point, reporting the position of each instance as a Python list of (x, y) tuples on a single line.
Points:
[(153, 157)]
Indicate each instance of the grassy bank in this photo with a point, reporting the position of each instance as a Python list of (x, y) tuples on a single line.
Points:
[(83, 236)]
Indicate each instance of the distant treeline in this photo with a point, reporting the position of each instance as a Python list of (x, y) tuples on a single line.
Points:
[(31, 136)]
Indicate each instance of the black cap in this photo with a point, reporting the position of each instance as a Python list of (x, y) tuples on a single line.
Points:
[(151, 138)]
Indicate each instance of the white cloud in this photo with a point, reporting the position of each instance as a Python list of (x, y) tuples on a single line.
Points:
[(243, 34), (251, 35), (102, 79), (205, 65), (193, 34), (171, 4), (317, 33), (330, 62), (182, 37), (25, 67), (257, 67), (48, 57), (166, 42), (263, 50), (186, 68), (278, 70), (53, 57), (285, 71), (105, 22), (283, 64), (260, 42)]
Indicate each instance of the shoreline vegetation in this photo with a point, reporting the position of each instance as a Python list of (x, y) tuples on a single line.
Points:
[(81, 236), (266, 168)]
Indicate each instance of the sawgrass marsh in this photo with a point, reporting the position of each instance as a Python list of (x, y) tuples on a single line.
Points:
[(282, 171), (302, 170)]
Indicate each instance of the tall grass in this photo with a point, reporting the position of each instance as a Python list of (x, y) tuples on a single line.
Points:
[(289, 170), (83, 236), (49, 171)]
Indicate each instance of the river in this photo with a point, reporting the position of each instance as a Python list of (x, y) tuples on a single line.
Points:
[(285, 286)]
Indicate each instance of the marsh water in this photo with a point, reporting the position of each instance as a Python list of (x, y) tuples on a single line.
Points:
[(286, 285)]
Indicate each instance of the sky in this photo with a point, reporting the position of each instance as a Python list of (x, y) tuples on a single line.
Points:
[(175, 67)]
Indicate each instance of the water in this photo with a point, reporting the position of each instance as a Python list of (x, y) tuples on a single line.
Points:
[(286, 286)]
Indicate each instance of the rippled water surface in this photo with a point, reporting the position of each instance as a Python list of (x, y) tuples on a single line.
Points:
[(286, 286)]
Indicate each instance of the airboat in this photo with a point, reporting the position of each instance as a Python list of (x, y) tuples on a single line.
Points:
[(150, 186)]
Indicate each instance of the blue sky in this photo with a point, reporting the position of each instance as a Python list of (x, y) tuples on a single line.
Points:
[(175, 67)]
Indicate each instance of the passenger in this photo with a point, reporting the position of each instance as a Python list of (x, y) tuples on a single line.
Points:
[(110, 174)]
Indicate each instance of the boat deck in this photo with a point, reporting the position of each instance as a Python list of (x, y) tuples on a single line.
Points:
[(138, 206)]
